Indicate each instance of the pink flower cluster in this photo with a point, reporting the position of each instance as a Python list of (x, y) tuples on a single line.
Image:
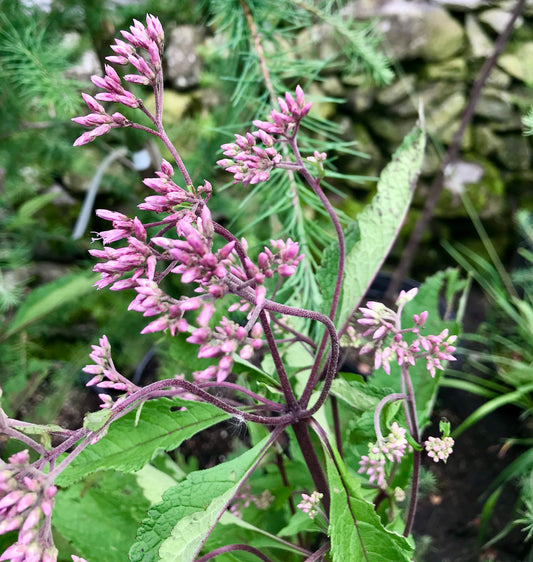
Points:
[(439, 448), (149, 38), (392, 447), (382, 322), (250, 163), (105, 374), (182, 242), (309, 503), (222, 343), (244, 498), (26, 501)]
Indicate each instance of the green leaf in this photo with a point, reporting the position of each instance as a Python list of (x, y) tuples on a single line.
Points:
[(326, 274), (48, 297), (300, 522), (128, 447), (355, 529), (176, 529), (361, 396), (381, 221), (100, 516), (96, 420), (33, 205), (153, 483)]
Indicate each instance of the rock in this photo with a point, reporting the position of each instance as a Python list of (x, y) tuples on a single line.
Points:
[(452, 70), (415, 30), (62, 197), (480, 180), (366, 145), (397, 91), (359, 100), (494, 104), (485, 141), (431, 163), (514, 153), (514, 123), (430, 94), (498, 79), (497, 19), (392, 129), (462, 5), (183, 65), (480, 45), (332, 86), (87, 66), (321, 108), (175, 105), (517, 63), (443, 120)]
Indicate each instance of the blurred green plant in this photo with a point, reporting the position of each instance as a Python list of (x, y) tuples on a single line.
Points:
[(502, 358)]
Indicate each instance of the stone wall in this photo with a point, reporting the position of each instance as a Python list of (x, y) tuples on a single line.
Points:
[(438, 49)]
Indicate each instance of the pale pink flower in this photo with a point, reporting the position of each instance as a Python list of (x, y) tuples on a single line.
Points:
[(439, 449), (310, 503)]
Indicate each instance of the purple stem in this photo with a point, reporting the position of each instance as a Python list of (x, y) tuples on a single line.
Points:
[(377, 412), (416, 454), (301, 430), (286, 387), (145, 394), (231, 548), (336, 424), (14, 434), (318, 555), (272, 405), (161, 133), (331, 367), (315, 185)]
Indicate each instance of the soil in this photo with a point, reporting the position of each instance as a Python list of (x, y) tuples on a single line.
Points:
[(451, 515)]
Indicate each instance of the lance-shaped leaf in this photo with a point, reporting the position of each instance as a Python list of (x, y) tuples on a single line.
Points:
[(355, 529), (47, 298), (130, 443), (176, 528), (380, 222)]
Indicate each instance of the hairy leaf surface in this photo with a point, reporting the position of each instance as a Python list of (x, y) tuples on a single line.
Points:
[(178, 526), (355, 529), (381, 221), (129, 446)]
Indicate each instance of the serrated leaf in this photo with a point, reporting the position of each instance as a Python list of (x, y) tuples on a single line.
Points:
[(326, 274), (48, 297), (128, 447), (355, 530), (153, 483), (381, 221), (176, 528), (100, 516)]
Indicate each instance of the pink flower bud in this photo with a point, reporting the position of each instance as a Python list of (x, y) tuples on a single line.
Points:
[(22, 457), (92, 104)]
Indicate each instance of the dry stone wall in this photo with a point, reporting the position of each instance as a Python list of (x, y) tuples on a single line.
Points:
[(438, 49)]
